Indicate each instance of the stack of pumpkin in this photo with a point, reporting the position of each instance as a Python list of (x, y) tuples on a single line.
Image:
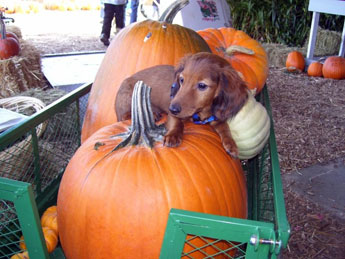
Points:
[(50, 233), (115, 202), (333, 67)]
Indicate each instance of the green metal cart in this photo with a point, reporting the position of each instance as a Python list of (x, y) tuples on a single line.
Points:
[(31, 168)]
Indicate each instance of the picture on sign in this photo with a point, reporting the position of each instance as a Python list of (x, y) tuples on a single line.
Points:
[(209, 10)]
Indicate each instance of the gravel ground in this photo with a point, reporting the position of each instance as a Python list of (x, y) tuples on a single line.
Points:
[(308, 115)]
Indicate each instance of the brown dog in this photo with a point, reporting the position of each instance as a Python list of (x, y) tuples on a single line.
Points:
[(203, 86)]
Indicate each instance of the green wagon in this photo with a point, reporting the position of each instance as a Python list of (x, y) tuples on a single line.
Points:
[(31, 168)]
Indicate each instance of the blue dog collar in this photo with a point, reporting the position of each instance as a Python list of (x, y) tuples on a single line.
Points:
[(197, 120)]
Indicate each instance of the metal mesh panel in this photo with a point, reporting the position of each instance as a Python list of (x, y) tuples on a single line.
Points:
[(38, 154), (265, 188), (10, 231), (203, 247), (16, 159), (55, 146), (58, 144)]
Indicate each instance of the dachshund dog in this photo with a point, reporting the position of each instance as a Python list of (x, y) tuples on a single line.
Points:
[(203, 87)]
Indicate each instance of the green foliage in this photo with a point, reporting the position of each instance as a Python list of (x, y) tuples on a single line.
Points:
[(278, 21)]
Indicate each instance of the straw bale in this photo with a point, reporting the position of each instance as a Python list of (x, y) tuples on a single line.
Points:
[(277, 53), (327, 43), (15, 29), (22, 72)]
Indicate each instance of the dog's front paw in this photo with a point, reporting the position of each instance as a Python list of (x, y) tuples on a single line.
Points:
[(231, 149), (172, 140)]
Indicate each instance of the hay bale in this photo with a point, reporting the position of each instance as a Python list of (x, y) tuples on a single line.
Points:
[(15, 29), (327, 43), (277, 53), (22, 72)]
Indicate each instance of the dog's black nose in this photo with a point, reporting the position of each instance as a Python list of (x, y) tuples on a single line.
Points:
[(175, 109)]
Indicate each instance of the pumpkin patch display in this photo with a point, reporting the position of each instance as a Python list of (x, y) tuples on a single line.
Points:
[(315, 69), (136, 47), (245, 54), (334, 68), (250, 128), (295, 62), (118, 188)]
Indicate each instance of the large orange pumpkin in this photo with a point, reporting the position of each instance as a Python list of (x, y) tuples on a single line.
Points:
[(138, 46), (115, 204), (334, 68), (245, 54)]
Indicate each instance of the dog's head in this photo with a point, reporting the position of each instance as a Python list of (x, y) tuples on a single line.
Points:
[(206, 84)]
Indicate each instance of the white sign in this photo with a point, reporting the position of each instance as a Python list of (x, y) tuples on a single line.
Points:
[(202, 14)]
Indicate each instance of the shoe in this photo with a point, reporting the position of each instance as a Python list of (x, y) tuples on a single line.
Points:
[(105, 40)]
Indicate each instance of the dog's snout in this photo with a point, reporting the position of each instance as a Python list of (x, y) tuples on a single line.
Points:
[(175, 109)]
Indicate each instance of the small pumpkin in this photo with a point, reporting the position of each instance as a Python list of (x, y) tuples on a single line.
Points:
[(136, 47), (245, 54), (250, 128), (50, 237), (9, 46), (49, 219), (334, 68), (10, 34), (315, 69), (295, 62), (23, 255), (115, 196)]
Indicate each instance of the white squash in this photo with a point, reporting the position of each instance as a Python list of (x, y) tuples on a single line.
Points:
[(250, 128)]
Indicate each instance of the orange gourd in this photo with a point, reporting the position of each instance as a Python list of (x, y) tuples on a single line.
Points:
[(334, 68), (23, 255), (138, 46), (315, 69), (245, 54), (50, 237), (114, 203), (49, 219), (295, 62)]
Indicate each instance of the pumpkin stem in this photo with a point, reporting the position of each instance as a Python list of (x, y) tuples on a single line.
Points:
[(239, 49), (170, 13), (143, 128)]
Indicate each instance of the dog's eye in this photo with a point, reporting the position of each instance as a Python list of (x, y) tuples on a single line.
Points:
[(202, 86), (181, 80)]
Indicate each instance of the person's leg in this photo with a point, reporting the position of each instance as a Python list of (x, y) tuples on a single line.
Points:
[(109, 11), (134, 10), (119, 15)]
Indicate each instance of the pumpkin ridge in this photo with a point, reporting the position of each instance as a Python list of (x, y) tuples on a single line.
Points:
[(191, 177), (229, 194), (159, 157), (201, 162)]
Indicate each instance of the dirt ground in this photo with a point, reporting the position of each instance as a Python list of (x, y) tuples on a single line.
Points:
[(308, 115)]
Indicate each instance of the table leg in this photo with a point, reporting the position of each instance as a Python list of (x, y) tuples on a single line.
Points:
[(313, 34), (342, 44)]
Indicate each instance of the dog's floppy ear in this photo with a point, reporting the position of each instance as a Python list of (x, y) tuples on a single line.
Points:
[(231, 96)]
